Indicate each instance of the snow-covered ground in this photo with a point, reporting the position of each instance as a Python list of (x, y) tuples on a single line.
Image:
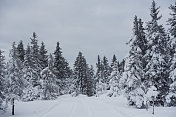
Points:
[(82, 106)]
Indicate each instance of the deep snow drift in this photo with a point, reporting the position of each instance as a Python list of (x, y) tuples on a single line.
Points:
[(83, 106)]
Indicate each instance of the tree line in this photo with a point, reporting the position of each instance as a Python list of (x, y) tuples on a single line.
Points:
[(145, 76)]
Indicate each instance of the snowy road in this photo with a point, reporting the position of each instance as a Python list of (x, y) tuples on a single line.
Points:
[(82, 106)]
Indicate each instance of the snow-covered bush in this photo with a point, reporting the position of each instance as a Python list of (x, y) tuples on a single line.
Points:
[(100, 88), (171, 99), (151, 94), (2, 81), (137, 98), (48, 81), (114, 79), (31, 93)]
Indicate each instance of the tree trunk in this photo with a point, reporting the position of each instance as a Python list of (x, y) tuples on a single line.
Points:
[(147, 105), (13, 106), (153, 106), (13, 110)]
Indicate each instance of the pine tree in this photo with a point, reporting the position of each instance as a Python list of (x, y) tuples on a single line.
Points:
[(172, 20), (122, 66), (114, 78), (2, 81), (171, 97), (134, 73), (158, 55), (90, 81), (20, 51), (106, 70), (48, 79), (80, 74), (15, 74), (100, 86), (114, 60), (32, 68), (61, 68), (102, 76), (36, 68), (58, 62), (27, 57), (30, 91), (99, 70), (28, 65), (34, 49), (43, 57)]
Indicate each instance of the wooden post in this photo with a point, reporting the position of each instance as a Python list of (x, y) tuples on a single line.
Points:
[(147, 105), (153, 105), (13, 106)]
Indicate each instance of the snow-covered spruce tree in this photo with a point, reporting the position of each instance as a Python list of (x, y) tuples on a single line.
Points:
[(90, 81), (106, 71), (121, 66), (171, 97), (115, 77), (28, 65), (61, 68), (71, 85), (67, 78), (114, 60), (134, 70), (84, 76), (80, 74), (30, 92), (35, 65), (99, 78), (15, 74), (20, 51), (43, 57), (158, 55), (2, 81), (32, 68), (48, 79), (99, 70), (172, 21), (28, 56), (143, 45)]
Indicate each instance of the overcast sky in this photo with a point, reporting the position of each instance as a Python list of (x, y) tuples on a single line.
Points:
[(90, 26)]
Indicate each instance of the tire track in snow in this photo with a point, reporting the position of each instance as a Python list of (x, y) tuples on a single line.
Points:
[(65, 108), (49, 109), (87, 106), (79, 109), (74, 106), (116, 110)]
